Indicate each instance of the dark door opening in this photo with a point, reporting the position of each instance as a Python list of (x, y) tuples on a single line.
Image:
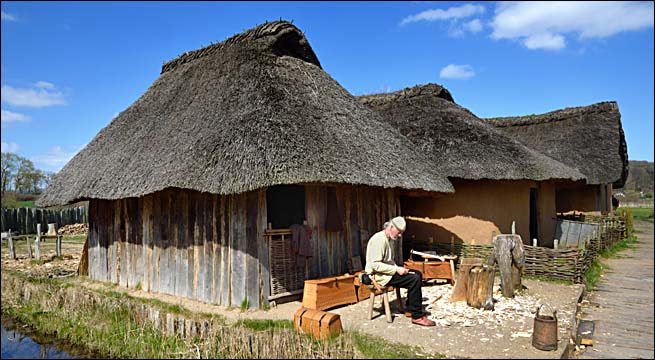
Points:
[(285, 205), (534, 214)]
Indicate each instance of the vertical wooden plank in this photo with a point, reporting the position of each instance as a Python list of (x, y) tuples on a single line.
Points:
[(191, 231), (104, 240), (311, 198), (321, 210), (264, 265), (164, 224), (122, 241), (147, 241), (199, 254), (155, 243), (113, 262), (92, 247), (130, 219), (216, 257), (138, 229), (181, 256), (252, 259), (173, 220), (238, 261), (208, 243), (225, 295)]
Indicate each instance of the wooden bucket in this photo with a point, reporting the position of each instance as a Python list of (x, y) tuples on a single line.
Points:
[(320, 324)]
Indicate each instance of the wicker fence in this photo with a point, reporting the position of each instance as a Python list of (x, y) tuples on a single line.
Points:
[(564, 263)]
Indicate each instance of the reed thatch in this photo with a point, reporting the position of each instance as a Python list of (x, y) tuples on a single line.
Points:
[(253, 111), (589, 138), (462, 145)]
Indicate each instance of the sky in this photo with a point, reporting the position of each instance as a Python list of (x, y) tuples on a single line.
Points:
[(68, 68)]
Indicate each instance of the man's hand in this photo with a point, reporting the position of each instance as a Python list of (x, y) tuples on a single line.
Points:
[(401, 270)]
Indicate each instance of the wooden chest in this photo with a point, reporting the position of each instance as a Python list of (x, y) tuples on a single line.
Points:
[(325, 293), (320, 324), (433, 269)]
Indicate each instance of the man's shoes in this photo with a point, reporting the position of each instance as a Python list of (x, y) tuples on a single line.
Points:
[(423, 321)]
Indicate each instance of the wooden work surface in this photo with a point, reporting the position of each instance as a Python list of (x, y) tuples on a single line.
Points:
[(433, 269)]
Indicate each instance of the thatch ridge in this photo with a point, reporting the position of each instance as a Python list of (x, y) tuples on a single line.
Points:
[(264, 30), (239, 119), (590, 138), (461, 145)]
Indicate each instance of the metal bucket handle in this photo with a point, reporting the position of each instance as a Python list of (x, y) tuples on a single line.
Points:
[(551, 309)]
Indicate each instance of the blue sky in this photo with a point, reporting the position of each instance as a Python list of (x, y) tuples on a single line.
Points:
[(69, 67)]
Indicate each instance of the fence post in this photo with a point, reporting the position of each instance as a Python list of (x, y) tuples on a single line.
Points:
[(29, 246), (12, 249), (37, 242), (58, 246)]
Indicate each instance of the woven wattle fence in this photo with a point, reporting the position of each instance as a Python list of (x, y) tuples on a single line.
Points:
[(567, 264)]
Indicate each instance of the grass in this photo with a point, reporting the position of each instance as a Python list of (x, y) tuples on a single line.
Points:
[(643, 214), (265, 324), (597, 268), (22, 204), (371, 347)]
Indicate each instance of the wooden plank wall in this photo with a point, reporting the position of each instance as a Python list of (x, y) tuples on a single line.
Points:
[(211, 248), (200, 246), (361, 207)]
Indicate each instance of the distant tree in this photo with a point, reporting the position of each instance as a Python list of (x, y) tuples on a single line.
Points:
[(8, 168)]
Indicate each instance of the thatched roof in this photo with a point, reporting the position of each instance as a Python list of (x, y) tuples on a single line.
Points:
[(589, 138), (462, 145), (253, 111)]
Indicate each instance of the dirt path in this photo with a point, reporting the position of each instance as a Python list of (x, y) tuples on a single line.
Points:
[(621, 306)]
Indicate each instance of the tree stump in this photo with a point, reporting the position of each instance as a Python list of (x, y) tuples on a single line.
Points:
[(461, 282), (508, 253), (480, 287)]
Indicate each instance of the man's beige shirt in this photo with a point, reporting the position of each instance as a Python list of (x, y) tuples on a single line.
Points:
[(379, 258)]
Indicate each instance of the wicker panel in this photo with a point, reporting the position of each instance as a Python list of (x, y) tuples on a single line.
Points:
[(286, 275)]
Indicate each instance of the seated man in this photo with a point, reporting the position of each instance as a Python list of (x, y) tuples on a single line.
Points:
[(380, 265)]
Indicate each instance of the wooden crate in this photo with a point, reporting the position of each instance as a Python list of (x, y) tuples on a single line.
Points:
[(325, 293), (320, 324), (433, 269)]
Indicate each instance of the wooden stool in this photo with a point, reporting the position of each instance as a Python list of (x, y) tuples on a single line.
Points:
[(376, 289)]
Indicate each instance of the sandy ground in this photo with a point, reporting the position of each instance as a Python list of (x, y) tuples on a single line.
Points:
[(461, 331)]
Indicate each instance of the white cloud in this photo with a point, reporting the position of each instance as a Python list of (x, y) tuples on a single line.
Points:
[(473, 26), (10, 147), (545, 41), (8, 17), (44, 85), (44, 94), (543, 25), (458, 12), (55, 157), (453, 71), (8, 116)]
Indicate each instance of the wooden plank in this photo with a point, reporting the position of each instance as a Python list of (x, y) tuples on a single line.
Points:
[(147, 241), (113, 262), (208, 244), (173, 220), (216, 248), (238, 257), (130, 213), (264, 266), (311, 213), (138, 229), (155, 244), (191, 231), (164, 242), (104, 240), (252, 258), (181, 252), (224, 292), (199, 254)]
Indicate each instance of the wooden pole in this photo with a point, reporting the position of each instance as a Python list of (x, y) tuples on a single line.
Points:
[(12, 249), (37, 242), (29, 247), (58, 246)]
